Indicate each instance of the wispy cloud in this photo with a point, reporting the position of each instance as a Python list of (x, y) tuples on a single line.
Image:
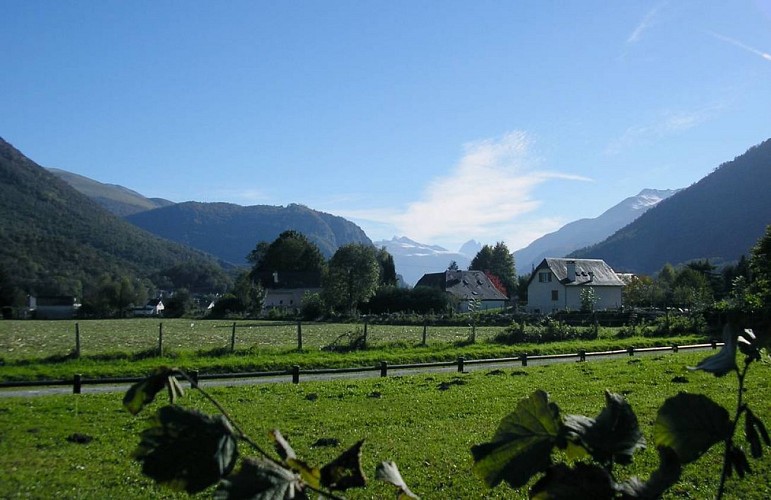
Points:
[(483, 197), (647, 22), (743, 46), (666, 124)]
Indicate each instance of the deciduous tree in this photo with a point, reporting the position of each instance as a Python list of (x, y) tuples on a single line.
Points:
[(352, 276)]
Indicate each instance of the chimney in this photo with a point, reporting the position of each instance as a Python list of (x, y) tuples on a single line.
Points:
[(571, 270), (275, 277)]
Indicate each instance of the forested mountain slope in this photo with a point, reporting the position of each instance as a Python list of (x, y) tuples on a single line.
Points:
[(231, 231), (718, 218), (55, 240), (119, 200)]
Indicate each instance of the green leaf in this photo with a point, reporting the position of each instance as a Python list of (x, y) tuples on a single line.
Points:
[(690, 424), (613, 435), (667, 474), (345, 471), (582, 481), (522, 445), (311, 475), (143, 392), (389, 472), (261, 480), (187, 450)]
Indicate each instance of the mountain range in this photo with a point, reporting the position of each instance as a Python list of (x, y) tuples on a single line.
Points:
[(54, 239), (412, 259), (584, 232), (720, 218), (229, 231)]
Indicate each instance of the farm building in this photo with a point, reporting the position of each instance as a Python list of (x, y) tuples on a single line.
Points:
[(465, 286), (54, 307), (153, 307), (285, 290), (557, 284)]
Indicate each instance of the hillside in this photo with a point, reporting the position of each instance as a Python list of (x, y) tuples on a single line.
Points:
[(719, 218), (230, 231), (119, 200), (584, 232), (54, 239)]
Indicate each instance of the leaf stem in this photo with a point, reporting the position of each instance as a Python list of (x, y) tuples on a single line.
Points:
[(740, 408)]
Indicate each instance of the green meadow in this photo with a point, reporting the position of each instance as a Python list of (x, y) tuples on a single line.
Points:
[(38, 350), (78, 446)]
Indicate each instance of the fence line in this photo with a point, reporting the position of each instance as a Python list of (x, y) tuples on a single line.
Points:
[(77, 382)]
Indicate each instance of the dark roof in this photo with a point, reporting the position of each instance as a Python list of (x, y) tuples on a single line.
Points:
[(465, 285), (588, 271)]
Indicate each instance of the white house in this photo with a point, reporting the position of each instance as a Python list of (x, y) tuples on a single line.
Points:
[(556, 285), (153, 307)]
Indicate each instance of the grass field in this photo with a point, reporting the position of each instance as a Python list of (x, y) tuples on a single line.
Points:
[(35, 350), (426, 423)]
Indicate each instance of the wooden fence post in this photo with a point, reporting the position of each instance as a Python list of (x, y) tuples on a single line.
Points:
[(630, 350), (460, 364), (582, 355), (674, 348), (366, 324), (77, 381), (384, 368), (160, 339), (77, 340), (425, 331), (299, 335), (296, 374), (714, 344), (193, 378), (524, 359)]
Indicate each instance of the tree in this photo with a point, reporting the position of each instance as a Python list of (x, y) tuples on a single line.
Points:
[(453, 266), (250, 294), (290, 253), (498, 261), (352, 276), (387, 268)]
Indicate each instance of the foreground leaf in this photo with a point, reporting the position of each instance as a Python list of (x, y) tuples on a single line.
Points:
[(187, 450), (582, 481), (345, 471), (389, 472), (143, 392), (311, 475), (690, 424), (667, 474), (614, 435), (261, 480), (522, 445), (725, 360)]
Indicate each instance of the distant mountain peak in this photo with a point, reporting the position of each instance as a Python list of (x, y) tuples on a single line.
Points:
[(585, 232)]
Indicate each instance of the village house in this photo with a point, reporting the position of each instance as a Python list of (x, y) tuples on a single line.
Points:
[(52, 307), (285, 291), (153, 307), (557, 284), (463, 287)]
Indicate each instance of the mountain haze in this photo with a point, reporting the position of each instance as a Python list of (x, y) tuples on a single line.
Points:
[(231, 231), (718, 218), (119, 200), (584, 232), (412, 259), (54, 239)]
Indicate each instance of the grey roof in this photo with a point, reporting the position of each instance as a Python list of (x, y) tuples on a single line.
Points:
[(593, 272), (465, 285)]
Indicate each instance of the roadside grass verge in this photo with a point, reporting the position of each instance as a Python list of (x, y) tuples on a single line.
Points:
[(259, 358), (426, 423)]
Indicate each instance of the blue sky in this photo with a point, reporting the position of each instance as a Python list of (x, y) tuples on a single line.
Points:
[(442, 121)]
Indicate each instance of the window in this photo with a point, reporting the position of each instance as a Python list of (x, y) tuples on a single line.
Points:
[(544, 277), (555, 295)]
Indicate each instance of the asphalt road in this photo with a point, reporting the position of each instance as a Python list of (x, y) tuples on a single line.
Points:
[(468, 366)]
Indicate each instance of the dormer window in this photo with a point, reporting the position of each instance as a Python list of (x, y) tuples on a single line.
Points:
[(544, 277)]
